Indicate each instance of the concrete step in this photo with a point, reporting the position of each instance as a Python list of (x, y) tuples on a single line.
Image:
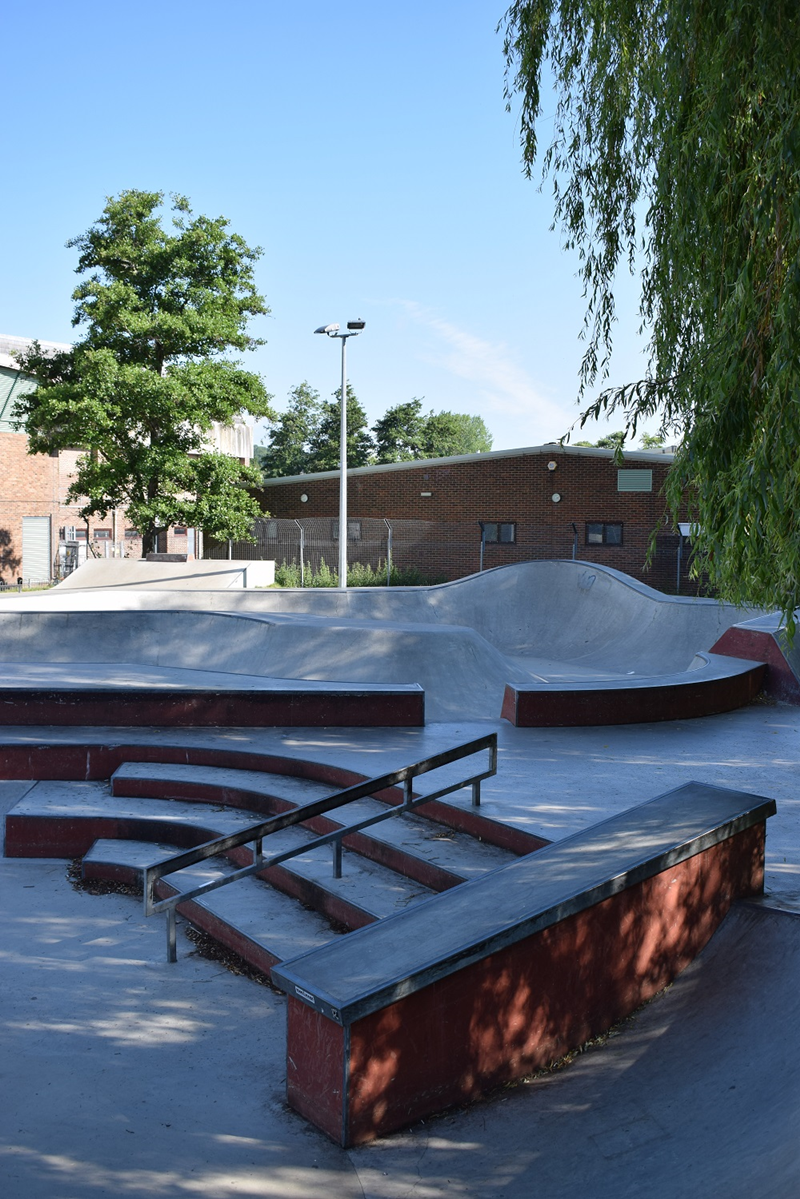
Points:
[(66, 818), (261, 924), (429, 852)]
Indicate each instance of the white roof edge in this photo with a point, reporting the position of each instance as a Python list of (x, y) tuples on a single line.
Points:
[(9, 345), (417, 463)]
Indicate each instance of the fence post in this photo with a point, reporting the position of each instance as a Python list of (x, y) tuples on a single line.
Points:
[(302, 547), (388, 553)]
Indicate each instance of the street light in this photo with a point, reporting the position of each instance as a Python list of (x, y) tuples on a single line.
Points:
[(353, 330)]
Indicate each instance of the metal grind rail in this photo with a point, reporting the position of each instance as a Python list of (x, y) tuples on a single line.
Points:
[(257, 832)]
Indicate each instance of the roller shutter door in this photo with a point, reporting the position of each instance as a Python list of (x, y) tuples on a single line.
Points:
[(36, 567)]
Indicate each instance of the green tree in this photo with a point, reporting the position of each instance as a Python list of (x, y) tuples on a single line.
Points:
[(611, 441), (289, 451), (324, 442), (447, 433), (306, 438), (399, 433), (651, 441), (675, 148), (143, 388), (403, 434)]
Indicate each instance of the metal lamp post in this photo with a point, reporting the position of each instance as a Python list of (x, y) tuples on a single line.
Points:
[(353, 329)]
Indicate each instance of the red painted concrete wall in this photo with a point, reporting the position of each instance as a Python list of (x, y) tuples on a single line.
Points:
[(781, 682), (517, 1010), (555, 708), (237, 709)]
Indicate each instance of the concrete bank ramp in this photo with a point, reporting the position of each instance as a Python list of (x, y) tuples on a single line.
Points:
[(463, 676), (557, 611), (136, 573), (462, 641)]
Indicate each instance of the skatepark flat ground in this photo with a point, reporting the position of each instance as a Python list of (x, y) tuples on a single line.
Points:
[(126, 1076)]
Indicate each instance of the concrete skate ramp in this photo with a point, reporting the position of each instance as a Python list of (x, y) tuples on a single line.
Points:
[(462, 675), (570, 616), (136, 573), (535, 622)]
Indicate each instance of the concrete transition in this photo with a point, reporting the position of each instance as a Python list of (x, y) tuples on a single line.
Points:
[(205, 575), (550, 626)]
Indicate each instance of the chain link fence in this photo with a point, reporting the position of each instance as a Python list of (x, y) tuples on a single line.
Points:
[(435, 551), (312, 545)]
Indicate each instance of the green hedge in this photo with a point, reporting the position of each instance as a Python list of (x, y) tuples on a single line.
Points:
[(358, 575)]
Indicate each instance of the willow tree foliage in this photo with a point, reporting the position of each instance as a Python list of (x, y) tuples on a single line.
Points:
[(143, 388), (674, 150)]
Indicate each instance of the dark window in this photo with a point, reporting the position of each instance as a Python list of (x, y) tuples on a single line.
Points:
[(179, 531), (499, 532), (102, 534), (353, 530), (600, 533), (131, 532)]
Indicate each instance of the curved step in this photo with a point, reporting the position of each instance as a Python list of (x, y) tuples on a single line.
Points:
[(410, 844), (262, 925), (53, 753), (715, 684), (65, 819)]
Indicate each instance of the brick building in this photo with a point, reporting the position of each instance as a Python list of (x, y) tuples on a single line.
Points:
[(41, 535), (547, 501)]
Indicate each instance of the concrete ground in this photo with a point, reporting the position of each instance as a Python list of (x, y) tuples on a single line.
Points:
[(123, 1075)]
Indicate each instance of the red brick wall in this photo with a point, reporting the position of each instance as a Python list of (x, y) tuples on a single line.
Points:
[(36, 485), (516, 488)]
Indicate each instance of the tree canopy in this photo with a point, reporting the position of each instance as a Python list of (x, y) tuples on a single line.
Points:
[(403, 434), (289, 449), (306, 435), (141, 391), (305, 438), (324, 443), (675, 151)]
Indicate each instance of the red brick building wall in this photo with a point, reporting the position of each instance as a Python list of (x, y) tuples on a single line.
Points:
[(36, 485), (513, 486)]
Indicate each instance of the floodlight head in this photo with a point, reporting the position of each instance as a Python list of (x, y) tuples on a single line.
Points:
[(356, 326), (327, 329)]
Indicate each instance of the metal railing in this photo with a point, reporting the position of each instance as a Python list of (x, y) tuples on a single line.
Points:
[(257, 832)]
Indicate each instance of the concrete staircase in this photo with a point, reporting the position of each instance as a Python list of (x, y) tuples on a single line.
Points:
[(149, 811)]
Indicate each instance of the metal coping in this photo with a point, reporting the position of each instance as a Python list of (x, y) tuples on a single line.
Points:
[(386, 961)]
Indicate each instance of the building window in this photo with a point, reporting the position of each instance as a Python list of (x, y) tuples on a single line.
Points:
[(131, 533), (598, 533), (499, 532), (102, 535), (179, 531), (634, 480), (353, 530)]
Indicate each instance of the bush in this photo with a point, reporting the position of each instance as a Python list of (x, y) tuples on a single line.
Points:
[(359, 574)]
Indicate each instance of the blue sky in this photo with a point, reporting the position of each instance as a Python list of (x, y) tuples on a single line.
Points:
[(365, 147)]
